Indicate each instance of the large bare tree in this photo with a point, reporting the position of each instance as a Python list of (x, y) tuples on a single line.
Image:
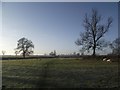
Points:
[(25, 46), (92, 39)]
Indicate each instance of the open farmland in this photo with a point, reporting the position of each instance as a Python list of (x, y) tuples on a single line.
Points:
[(59, 73)]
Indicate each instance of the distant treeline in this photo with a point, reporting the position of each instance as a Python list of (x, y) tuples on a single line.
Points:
[(88, 57)]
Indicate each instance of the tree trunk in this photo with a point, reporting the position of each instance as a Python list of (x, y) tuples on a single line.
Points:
[(23, 54), (94, 53), (94, 47), (94, 50)]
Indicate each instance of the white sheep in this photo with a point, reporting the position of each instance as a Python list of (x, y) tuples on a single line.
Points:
[(108, 60), (104, 59)]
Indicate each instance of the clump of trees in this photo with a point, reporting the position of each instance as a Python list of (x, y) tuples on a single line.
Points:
[(92, 38), (52, 53), (25, 47), (115, 46)]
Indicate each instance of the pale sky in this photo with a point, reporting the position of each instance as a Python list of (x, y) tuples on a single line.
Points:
[(51, 26)]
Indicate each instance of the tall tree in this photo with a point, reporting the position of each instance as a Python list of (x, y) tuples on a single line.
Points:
[(25, 46), (91, 39)]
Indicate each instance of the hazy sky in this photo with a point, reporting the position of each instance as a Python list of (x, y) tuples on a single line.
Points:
[(51, 26)]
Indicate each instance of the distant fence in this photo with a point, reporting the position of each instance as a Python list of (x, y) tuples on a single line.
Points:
[(27, 57)]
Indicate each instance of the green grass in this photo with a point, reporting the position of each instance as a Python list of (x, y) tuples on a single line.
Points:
[(59, 73)]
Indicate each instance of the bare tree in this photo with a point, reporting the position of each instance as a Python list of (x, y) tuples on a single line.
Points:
[(3, 52), (91, 39), (25, 46)]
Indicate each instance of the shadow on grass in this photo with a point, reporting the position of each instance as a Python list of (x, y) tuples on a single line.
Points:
[(40, 82)]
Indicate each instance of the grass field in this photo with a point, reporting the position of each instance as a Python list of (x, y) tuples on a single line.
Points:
[(59, 73)]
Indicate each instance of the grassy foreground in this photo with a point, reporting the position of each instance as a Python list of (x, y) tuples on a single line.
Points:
[(59, 73)]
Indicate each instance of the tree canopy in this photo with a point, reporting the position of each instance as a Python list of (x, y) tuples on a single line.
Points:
[(25, 46)]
